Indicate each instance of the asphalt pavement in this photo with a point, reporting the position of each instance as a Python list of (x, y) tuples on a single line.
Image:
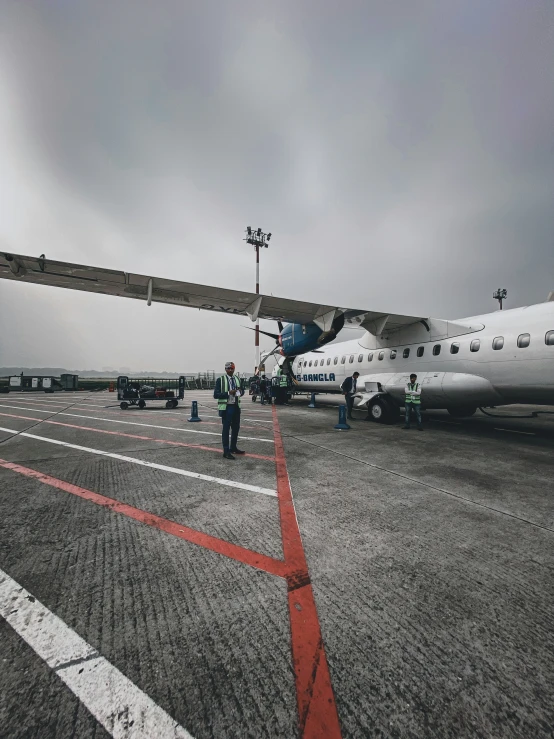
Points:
[(374, 582)]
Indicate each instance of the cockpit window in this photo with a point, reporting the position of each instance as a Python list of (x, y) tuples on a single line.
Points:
[(370, 355), (393, 354), (360, 358), (420, 351), (406, 353), (381, 355), (436, 350), (454, 348)]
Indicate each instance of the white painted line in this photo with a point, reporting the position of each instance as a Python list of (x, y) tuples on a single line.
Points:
[(153, 465), (136, 423), (114, 701), (512, 431), (245, 415)]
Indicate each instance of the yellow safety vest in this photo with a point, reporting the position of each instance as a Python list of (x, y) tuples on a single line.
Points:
[(224, 384)]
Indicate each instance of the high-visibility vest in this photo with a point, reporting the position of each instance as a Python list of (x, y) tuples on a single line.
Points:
[(283, 382), (224, 384), (413, 393)]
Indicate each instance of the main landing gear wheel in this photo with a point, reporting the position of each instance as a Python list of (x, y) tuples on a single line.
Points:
[(380, 411), (124, 406), (141, 404), (462, 412)]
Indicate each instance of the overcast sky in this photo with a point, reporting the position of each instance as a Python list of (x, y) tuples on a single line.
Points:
[(401, 153)]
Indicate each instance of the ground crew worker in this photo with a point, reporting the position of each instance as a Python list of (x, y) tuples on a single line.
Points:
[(263, 389), (413, 402), (348, 387), (228, 391), (283, 386)]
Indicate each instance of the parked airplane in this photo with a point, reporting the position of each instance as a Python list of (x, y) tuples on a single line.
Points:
[(494, 359)]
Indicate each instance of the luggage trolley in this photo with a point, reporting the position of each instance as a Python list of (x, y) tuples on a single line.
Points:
[(137, 391)]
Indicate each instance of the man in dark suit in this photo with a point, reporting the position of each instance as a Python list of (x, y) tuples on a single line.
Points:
[(348, 387), (228, 392)]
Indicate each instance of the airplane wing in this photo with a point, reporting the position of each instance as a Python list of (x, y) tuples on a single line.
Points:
[(44, 271)]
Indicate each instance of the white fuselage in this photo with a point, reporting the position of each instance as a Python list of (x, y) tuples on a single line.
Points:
[(521, 371)]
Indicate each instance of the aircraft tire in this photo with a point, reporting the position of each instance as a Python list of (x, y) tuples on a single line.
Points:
[(462, 411), (380, 410)]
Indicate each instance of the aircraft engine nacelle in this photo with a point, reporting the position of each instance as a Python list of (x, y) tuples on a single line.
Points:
[(297, 338)]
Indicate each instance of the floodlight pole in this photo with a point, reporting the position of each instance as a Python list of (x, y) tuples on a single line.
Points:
[(257, 239), (500, 295)]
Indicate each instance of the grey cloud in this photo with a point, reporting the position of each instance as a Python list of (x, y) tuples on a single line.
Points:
[(366, 136)]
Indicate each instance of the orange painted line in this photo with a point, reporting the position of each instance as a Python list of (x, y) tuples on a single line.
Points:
[(219, 546), (135, 436), (317, 710)]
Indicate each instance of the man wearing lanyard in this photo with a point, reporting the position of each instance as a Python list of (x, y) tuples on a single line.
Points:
[(228, 391)]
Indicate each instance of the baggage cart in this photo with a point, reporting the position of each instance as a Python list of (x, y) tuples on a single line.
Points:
[(140, 390)]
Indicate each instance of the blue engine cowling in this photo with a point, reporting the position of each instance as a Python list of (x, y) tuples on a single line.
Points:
[(297, 338)]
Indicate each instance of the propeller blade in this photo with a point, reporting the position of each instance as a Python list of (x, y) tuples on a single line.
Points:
[(265, 333), (280, 327)]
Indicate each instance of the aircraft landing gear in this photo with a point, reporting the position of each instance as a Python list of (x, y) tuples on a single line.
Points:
[(381, 410)]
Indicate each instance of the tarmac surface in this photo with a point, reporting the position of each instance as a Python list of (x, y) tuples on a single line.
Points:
[(148, 587)]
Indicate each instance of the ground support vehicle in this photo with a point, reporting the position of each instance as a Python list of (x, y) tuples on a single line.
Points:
[(137, 391)]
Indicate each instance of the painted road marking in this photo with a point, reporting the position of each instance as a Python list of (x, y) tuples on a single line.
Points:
[(153, 465), (133, 436), (136, 423), (317, 710), (141, 413), (513, 431), (118, 704), (233, 551), (86, 406)]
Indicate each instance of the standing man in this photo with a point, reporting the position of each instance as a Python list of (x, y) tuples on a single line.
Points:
[(228, 391), (413, 402), (263, 389), (349, 387)]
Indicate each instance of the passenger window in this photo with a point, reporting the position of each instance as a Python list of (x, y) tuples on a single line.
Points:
[(310, 362), (370, 356), (343, 360), (361, 358), (329, 360), (381, 355), (523, 341), (335, 360), (436, 350), (351, 359), (475, 345), (498, 343), (454, 348), (406, 353), (393, 354), (549, 338), (420, 351)]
